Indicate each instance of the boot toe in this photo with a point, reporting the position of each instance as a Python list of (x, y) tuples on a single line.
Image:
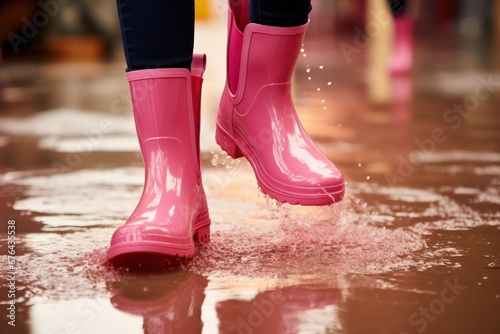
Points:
[(325, 180)]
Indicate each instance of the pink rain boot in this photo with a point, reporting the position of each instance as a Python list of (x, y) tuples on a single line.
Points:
[(257, 118), (401, 60), (168, 303), (172, 212), (279, 311)]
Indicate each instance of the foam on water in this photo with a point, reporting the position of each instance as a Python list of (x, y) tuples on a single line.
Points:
[(62, 266), (94, 131), (456, 169), (107, 143), (61, 123), (454, 156)]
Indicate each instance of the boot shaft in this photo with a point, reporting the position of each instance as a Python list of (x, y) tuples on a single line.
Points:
[(270, 52)]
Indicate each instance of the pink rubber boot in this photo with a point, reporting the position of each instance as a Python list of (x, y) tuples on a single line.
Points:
[(257, 118), (172, 212), (169, 303), (278, 311), (401, 60)]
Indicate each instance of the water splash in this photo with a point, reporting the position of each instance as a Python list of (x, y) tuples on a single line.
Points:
[(307, 241)]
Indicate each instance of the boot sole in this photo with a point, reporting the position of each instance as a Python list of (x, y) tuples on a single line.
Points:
[(174, 247)]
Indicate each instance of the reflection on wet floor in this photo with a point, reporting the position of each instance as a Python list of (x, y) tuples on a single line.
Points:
[(414, 247)]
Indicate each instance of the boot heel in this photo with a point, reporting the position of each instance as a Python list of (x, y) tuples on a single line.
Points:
[(227, 143), (202, 235), (201, 227)]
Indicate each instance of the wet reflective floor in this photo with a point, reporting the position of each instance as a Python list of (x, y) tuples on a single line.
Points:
[(413, 248)]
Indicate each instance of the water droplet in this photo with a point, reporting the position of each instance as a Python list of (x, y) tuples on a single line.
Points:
[(323, 100), (215, 159), (321, 67), (485, 277), (479, 283), (493, 265), (329, 83), (368, 177), (309, 78), (302, 50), (308, 70), (304, 55), (359, 164), (318, 89), (324, 107)]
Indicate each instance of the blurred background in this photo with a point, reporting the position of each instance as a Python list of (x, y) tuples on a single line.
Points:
[(406, 107), (78, 30)]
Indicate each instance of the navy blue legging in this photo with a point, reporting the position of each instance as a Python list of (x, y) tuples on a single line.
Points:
[(160, 33), (398, 7)]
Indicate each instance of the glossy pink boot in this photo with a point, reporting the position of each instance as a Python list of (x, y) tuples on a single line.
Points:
[(401, 60), (257, 118), (169, 303), (172, 213)]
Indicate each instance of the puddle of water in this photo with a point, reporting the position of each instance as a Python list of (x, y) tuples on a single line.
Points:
[(252, 236), (297, 261)]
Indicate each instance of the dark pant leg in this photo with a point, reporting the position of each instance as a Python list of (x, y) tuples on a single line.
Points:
[(280, 13), (398, 7), (157, 33)]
